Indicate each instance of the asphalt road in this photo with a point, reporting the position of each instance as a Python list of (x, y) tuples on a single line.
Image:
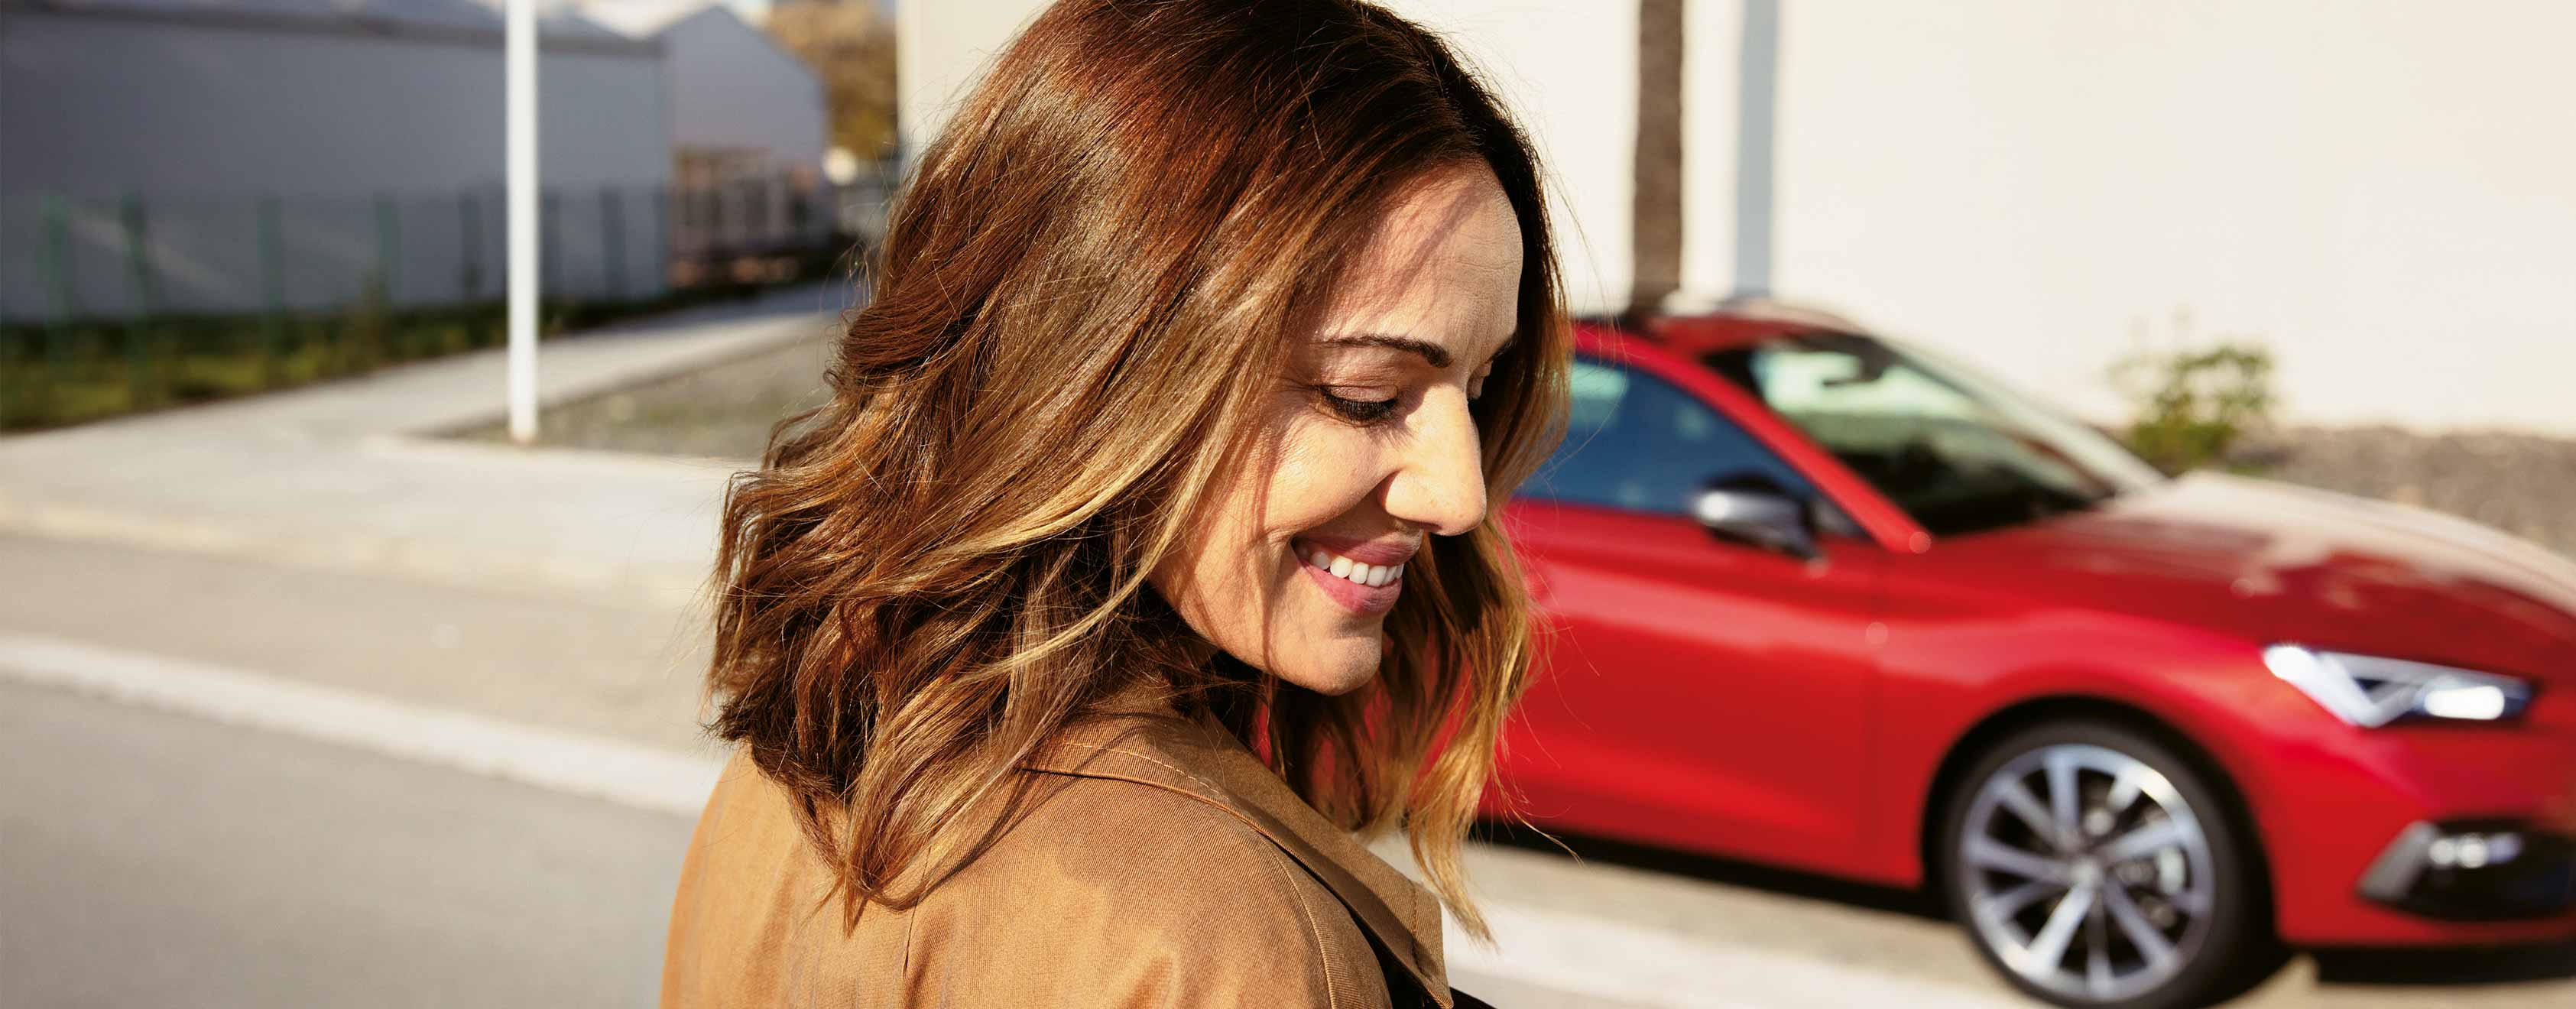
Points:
[(153, 858), (161, 860)]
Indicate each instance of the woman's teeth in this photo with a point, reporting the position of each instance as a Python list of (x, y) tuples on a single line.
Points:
[(1347, 569)]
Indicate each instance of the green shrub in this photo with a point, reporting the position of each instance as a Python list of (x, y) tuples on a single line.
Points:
[(2189, 408)]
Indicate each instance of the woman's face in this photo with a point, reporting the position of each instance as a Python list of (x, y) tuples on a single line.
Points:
[(1368, 448)]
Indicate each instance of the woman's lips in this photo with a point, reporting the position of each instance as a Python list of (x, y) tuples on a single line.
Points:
[(1346, 574), (1388, 552)]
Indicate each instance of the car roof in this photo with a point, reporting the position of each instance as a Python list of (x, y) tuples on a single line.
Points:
[(1732, 323)]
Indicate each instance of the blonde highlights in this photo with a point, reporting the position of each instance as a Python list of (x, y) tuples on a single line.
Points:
[(1094, 273)]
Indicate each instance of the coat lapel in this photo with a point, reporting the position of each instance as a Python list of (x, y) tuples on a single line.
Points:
[(1209, 764)]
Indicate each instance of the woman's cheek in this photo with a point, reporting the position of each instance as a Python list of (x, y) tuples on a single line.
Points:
[(1326, 470)]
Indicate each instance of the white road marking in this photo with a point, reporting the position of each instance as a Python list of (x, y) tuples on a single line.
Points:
[(1570, 953), (638, 776)]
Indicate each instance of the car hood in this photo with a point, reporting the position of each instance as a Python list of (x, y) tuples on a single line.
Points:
[(2276, 562)]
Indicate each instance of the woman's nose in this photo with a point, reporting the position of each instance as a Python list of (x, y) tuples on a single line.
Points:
[(1440, 485)]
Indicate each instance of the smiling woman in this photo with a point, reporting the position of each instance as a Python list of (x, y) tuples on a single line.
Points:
[(1369, 447), (1140, 561)]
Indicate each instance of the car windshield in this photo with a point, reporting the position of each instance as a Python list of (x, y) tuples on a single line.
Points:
[(1959, 453)]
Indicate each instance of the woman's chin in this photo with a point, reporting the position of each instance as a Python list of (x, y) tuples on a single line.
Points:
[(1334, 675)]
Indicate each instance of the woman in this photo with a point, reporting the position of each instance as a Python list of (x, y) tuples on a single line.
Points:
[(1142, 556)]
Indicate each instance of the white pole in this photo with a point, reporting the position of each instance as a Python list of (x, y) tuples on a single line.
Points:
[(519, 59)]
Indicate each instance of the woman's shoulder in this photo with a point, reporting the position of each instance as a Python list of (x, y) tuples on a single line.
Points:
[(1113, 885), (1107, 832)]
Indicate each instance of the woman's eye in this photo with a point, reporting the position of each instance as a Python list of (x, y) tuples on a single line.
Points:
[(1359, 411)]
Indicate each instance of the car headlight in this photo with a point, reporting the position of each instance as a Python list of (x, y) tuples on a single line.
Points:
[(2369, 691)]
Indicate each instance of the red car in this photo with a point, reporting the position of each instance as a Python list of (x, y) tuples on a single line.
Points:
[(1829, 601)]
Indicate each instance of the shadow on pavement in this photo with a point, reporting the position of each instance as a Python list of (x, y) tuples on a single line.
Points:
[(2339, 966), (2487, 965), (1715, 870)]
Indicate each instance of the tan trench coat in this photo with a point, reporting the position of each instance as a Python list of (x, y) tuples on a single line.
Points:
[(1165, 866)]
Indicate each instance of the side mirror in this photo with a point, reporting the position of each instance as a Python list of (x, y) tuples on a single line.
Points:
[(1762, 517)]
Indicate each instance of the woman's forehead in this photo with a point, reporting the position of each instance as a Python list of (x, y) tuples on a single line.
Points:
[(1443, 266)]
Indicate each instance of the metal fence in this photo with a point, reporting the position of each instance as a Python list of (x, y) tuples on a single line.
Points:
[(113, 305), (140, 257)]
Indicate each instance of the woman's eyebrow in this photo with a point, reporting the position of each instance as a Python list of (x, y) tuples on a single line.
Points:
[(1436, 355)]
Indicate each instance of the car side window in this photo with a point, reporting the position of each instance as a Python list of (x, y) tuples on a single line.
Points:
[(1635, 442)]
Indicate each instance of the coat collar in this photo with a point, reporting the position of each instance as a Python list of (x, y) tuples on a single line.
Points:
[(1207, 763)]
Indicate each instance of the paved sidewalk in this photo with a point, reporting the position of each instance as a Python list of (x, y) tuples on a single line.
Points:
[(347, 474)]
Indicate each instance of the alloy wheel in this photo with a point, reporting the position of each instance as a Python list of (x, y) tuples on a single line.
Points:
[(2086, 873)]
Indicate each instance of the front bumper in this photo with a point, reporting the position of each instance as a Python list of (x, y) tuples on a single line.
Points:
[(2475, 870), (2349, 819)]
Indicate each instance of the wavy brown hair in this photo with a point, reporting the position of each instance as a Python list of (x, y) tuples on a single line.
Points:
[(1093, 275)]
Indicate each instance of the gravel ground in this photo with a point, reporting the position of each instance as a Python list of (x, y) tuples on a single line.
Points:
[(723, 412), (2524, 484)]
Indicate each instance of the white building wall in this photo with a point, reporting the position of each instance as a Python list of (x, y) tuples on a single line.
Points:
[(2383, 192), (941, 48), (201, 120), (2378, 191), (1711, 31)]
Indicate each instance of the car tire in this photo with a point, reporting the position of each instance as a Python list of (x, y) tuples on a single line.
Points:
[(2094, 866)]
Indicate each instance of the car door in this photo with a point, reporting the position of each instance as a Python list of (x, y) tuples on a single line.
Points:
[(1692, 690)]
